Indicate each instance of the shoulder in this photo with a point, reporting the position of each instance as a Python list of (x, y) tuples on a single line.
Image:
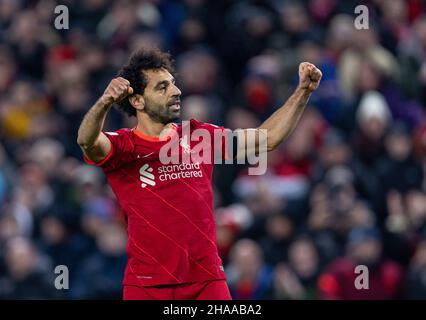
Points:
[(121, 138), (196, 124), (123, 132)]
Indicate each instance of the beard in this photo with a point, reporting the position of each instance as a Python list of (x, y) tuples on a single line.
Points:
[(162, 113)]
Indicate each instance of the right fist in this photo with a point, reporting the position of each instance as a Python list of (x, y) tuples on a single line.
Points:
[(117, 90)]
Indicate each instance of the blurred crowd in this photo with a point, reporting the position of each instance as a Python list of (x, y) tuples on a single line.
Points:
[(347, 188)]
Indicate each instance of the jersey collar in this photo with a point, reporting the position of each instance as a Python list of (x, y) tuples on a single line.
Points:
[(154, 139)]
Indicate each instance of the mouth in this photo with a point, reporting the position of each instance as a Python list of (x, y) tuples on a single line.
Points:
[(175, 106)]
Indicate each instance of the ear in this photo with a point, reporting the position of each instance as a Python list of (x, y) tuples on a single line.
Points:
[(137, 101)]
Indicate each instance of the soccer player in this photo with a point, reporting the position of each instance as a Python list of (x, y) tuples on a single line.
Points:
[(172, 252)]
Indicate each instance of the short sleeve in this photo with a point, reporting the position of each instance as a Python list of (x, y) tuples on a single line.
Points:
[(114, 158)]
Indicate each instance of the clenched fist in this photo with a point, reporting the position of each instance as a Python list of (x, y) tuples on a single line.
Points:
[(117, 90), (309, 76)]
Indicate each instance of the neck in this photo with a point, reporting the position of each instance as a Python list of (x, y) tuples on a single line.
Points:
[(149, 127)]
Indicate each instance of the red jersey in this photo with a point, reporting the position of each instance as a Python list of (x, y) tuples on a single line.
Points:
[(169, 209)]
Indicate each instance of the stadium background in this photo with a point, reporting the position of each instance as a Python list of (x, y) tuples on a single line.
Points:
[(347, 188)]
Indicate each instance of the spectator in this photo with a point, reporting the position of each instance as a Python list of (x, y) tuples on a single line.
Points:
[(415, 283), (364, 248), (297, 279), (279, 232), (29, 275), (248, 275), (99, 276)]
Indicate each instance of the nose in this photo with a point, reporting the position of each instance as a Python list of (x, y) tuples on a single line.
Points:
[(176, 91)]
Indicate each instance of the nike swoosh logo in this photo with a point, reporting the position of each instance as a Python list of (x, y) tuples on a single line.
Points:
[(147, 155)]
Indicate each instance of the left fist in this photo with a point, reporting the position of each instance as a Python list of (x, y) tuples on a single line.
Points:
[(309, 76)]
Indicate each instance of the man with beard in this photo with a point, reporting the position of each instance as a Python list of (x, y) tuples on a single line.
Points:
[(172, 252)]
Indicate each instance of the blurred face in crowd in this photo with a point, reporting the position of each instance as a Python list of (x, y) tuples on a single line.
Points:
[(340, 182), (364, 38), (367, 251), (398, 146), (310, 51), (303, 257), (341, 33), (416, 207), (92, 224), (336, 154), (8, 227), (20, 257), (368, 78), (321, 215), (198, 72), (374, 128), (419, 258), (294, 18), (112, 240), (53, 230), (394, 12), (7, 69), (25, 28), (360, 216), (420, 29), (246, 256), (196, 107), (241, 118), (161, 98), (300, 144), (258, 25), (279, 227)]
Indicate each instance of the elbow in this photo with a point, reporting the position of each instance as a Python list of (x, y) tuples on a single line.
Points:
[(266, 141), (82, 143), (272, 144), (270, 148), (80, 139)]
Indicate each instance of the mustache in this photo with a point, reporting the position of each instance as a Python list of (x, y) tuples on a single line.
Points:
[(175, 101)]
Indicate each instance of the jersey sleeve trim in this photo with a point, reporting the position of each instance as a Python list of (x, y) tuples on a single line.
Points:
[(100, 163)]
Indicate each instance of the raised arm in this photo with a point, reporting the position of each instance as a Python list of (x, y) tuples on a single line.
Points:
[(283, 121), (92, 141)]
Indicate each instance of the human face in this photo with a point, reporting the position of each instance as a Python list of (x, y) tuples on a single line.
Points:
[(161, 96)]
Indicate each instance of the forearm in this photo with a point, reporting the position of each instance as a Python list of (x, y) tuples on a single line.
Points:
[(283, 121), (92, 124)]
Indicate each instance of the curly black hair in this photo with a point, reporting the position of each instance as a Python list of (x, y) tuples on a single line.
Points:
[(141, 60)]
